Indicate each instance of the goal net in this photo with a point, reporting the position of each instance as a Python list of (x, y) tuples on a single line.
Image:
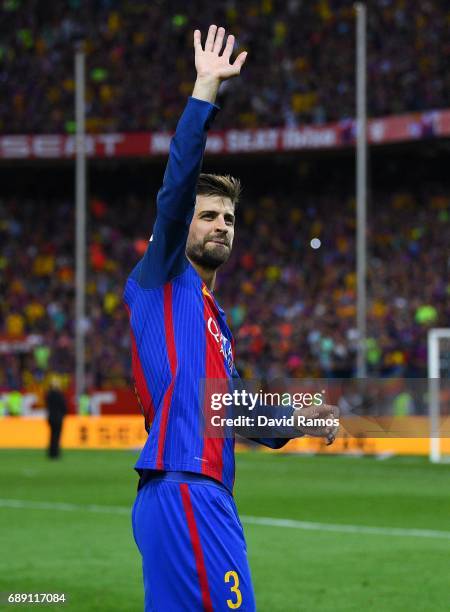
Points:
[(439, 392)]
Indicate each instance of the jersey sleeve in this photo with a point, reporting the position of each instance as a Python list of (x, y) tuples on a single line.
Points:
[(165, 255), (277, 437)]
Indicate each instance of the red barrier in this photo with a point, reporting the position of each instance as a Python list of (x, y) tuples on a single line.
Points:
[(385, 130)]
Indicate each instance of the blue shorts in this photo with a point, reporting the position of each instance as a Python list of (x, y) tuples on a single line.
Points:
[(194, 556)]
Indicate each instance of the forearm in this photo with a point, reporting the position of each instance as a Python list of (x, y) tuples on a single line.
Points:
[(273, 443), (276, 434), (270, 425), (206, 89), (274, 423), (176, 198)]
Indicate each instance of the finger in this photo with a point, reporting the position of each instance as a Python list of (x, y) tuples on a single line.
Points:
[(197, 39), (210, 38), (330, 439), (240, 61), (228, 47), (219, 40), (334, 410)]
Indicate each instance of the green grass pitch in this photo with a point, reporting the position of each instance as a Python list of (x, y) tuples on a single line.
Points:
[(50, 542)]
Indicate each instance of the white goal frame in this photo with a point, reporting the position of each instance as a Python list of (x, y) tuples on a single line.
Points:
[(434, 335)]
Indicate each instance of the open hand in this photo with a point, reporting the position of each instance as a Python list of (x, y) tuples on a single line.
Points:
[(208, 61)]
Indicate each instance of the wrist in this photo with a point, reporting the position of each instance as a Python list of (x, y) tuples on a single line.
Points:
[(206, 88)]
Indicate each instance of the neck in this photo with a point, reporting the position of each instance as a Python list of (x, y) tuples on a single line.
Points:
[(208, 276)]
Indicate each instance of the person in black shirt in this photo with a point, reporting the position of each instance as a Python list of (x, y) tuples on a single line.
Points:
[(56, 408)]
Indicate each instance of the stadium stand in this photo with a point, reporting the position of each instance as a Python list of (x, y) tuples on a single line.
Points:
[(301, 68), (291, 307)]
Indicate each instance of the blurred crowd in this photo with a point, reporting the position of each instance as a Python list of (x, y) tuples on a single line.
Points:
[(140, 69), (291, 306)]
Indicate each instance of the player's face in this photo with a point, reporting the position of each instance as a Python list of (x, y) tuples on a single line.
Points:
[(211, 232)]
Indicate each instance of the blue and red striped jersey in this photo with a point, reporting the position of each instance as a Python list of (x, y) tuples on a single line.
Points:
[(179, 332)]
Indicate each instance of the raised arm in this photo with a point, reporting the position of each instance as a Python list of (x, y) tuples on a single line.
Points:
[(165, 256)]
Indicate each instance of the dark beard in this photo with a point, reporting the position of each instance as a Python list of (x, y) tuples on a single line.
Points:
[(207, 259)]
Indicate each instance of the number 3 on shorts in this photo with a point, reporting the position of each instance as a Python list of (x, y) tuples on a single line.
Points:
[(234, 605)]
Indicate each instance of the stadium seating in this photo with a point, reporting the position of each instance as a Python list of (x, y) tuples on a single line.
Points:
[(291, 307), (300, 67)]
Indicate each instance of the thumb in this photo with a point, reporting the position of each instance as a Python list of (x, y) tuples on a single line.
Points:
[(240, 61)]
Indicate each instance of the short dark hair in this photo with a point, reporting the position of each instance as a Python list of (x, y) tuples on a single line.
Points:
[(222, 185)]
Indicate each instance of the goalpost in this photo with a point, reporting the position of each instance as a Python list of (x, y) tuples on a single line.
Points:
[(438, 369)]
